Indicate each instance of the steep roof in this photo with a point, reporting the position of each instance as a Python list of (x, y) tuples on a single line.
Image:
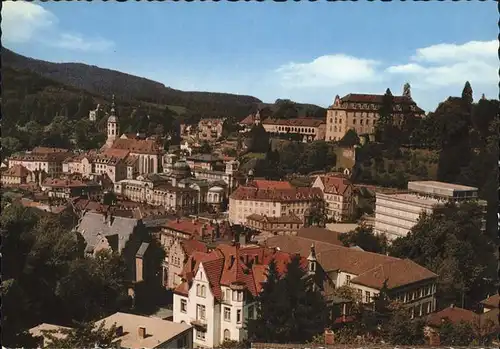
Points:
[(17, 171), (189, 227), (138, 146), (492, 302), (93, 225), (335, 184)]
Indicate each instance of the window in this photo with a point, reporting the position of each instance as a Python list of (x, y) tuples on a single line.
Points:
[(200, 335), (360, 294), (227, 335), (238, 316), (367, 297), (348, 280), (200, 312), (201, 291), (183, 306), (251, 311), (354, 121), (227, 314)]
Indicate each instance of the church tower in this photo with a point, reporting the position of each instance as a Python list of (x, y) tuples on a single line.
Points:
[(113, 126)]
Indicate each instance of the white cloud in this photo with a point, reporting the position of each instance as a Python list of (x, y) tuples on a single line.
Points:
[(328, 71), (472, 50), (27, 22), (77, 42), (451, 65), (21, 21)]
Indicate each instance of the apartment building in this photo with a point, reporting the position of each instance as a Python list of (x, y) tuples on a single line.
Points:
[(274, 225), (16, 175), (360, 112), (210, 129), (44, 159), (366, 272), (272, 202), (396, 214), (308, 128), (338, 193), (218, 291)]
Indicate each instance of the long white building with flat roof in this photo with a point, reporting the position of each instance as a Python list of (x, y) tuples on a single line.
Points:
[(396, 214)]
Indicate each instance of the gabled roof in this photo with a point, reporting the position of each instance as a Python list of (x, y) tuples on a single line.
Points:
[(137, 146), (492, 301), (371, 268), (16, 171), (320, 235), (335, 184), (453, 314)]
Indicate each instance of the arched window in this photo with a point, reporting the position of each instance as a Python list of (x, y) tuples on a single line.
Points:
[(198, 292), (203, 291), (227, 335)]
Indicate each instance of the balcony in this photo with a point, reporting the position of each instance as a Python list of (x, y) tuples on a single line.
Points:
[(199, 324)]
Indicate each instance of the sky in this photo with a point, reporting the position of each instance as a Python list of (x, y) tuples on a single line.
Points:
[(308, 52)]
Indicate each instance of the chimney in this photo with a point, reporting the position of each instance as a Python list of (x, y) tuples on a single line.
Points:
[(329, 337), (141, 331), (119, 331)]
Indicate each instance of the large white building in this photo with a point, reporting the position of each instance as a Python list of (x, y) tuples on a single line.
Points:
[(396, 214)]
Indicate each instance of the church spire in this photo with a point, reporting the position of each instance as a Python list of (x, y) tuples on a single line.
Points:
[(113, 105)]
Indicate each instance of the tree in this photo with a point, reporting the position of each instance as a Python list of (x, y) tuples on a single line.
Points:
[(467, 93), (273, 309), (363, 237), (444, 241), (308, 311), (205, 148), (456, 334), (84, 335), (290, 309), (258, 139), (402, 330), (350, 139), (384, 127)]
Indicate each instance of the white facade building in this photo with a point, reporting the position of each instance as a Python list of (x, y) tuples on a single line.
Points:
[(397, 214)]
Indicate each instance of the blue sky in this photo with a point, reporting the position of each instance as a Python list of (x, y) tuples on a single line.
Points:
[(307, 52)]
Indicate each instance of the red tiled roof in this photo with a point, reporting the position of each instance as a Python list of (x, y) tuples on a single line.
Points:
[(453, 314), (114, 152), (139, 146), (320, 234), (299, 122), (189, 227), (335, 184), (283, 195), (249, 120), (264, 184), (192, 245), (230, 265), (492, 302), (17, 171)]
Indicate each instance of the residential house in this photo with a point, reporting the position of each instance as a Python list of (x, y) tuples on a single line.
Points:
[(133, 332), (248, 200), (179, 252), (491, 303), (282, 225), (367, 272), (16, 175), (218, 291), (210, 129), (360, 113), (338, 193), (204, 162)]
